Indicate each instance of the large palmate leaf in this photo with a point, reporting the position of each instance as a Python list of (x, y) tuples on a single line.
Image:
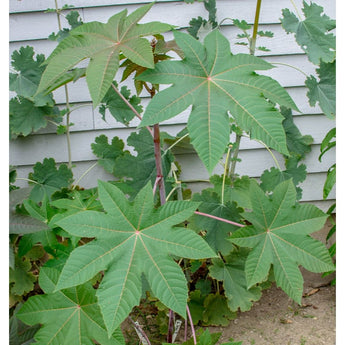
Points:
[(312, 33), (102, 43), (216, 82), (234, 281), (132, 239), (70, 316), (279, 236), (324, 90)]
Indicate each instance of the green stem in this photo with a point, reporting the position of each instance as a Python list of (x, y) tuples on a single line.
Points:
[(255, 27), (235, 156), (27, 179), (286, 64), (176, 142), (296, 9), (226, 169), (83, 175), (273, 156), (68, 135)]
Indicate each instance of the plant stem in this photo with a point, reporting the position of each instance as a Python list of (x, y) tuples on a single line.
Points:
[(141, 331), (158, 158), (218, 218), (170, 326), (176, 142), (83, 175), (273, 156), (296, 9), (126, 101), (236, 148), (226, 169), (286, 64), (68, 135), (27, 180), (191, 324), (130, 106), (255, 27)]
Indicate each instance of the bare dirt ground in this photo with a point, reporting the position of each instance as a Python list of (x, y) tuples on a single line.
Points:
[(277, 320)]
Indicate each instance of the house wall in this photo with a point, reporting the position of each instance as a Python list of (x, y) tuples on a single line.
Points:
[(30, 25)]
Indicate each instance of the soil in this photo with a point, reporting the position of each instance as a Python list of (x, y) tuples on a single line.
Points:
[(277, 320)]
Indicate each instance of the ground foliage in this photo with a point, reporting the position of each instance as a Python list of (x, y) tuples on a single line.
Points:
[(81, 260)]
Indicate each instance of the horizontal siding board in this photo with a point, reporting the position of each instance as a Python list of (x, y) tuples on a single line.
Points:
[(38, 25), (16, 6)]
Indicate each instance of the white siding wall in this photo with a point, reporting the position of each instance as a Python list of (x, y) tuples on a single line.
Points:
[(29, 25)]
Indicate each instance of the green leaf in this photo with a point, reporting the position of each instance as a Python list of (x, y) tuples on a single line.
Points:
[(271, 178), (20, 333), (297, 143), (22, 224), (330, 181), (241, 24), (132, 239), (194, 26), (28, 75), (327, 144), (217, 232), (323, 91), (26, 117), (102, 43), (70, 316), (141, 168), (107, 153), (234, 281), (312, 33), (73, 20), (217, 82), (21, 279), (279, 236), (217, 312), (117, 106), (49, 178)]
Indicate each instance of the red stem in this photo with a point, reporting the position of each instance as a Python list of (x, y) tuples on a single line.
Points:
[(191, 324), (218, 218), (158, 158)]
